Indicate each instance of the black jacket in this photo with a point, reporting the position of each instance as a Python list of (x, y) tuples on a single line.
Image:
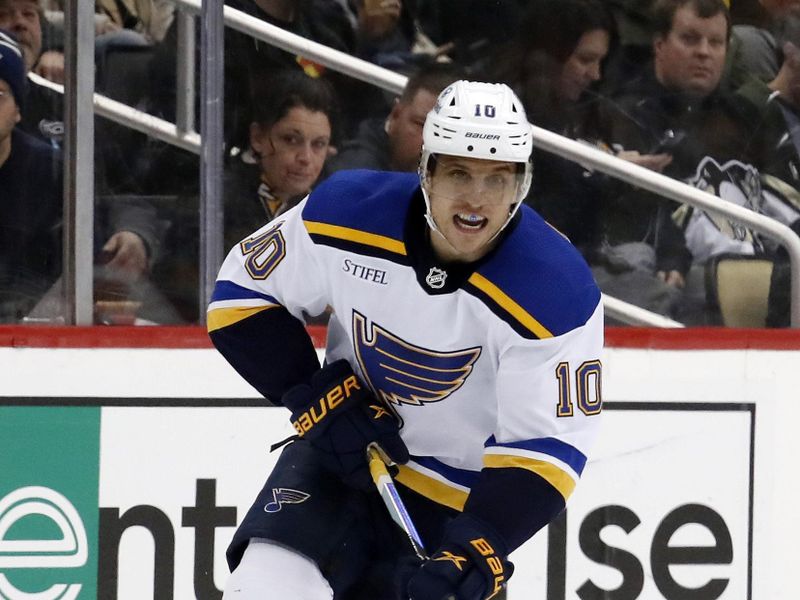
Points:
[(651, 119), (30, 225)]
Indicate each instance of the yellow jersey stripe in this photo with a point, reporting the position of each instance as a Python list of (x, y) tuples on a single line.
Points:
[(223, 317), (354, 235), (548, 471), (431, 488), (502, 299)]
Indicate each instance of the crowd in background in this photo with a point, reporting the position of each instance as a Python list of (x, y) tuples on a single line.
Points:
[(699, 90)]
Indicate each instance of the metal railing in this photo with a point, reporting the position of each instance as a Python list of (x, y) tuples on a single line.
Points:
[(394, 82), (680, 192), (135, 119), (285, 40)]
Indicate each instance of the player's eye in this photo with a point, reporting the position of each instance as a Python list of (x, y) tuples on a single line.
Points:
[(495, 182), (459, 176)]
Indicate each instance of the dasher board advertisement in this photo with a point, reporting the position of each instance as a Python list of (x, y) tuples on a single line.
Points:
[(132, 499)]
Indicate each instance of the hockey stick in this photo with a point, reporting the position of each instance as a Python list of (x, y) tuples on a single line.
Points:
[(391, 498), (394, 504)]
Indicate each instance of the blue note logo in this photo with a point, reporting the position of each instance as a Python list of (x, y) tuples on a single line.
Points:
[(403, 373), (69, 548), (281, 496)]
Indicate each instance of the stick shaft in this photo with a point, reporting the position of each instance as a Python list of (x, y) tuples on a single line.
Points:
[(391, 498)]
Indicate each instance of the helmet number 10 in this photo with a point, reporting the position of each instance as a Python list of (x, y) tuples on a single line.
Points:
[(486, 110)]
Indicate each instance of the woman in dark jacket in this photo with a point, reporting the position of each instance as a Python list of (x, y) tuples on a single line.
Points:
[(555, 64)]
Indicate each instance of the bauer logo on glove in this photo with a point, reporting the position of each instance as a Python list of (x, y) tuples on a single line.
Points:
[(328, 402), (493, 562), (470, 564), (340, 417)]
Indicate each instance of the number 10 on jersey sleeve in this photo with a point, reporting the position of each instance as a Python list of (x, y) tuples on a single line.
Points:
[(587, 389)]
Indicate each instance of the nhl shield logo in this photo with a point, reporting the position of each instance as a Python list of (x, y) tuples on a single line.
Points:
[(436, 278)]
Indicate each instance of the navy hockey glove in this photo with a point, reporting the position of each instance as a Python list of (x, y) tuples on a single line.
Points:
[(340, 417), (470, 564)]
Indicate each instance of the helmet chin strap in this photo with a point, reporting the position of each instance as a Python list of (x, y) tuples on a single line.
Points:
[(431, 222), (511, 212)]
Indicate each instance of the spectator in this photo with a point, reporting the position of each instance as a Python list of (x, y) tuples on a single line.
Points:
[(470, 29), (127, 23), (754, 49), (30, 211), (384, 28), (115, 162), (44, 108), (248, 62), (555, 63), (681, 105), (555, 58), (389, 34), (394, 143), (133, 246), (149, 18), (778, 106), (292, 122), (291, 129)]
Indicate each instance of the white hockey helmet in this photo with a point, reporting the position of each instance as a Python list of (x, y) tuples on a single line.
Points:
[(478, 120)]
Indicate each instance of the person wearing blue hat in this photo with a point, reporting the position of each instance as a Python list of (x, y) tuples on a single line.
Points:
[(133, 235), (30, 197)]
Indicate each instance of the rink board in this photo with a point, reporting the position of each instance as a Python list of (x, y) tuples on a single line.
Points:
[(655, 484), (134, 495), (653, 470)]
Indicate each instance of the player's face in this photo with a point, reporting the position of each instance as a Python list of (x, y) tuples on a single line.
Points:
[(582, 68), (9, 116), (470, 201), (691, 56), (404, 127), (21, 17), (293, 150)]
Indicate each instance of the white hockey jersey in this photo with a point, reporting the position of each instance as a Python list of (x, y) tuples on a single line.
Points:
[(489, 365)]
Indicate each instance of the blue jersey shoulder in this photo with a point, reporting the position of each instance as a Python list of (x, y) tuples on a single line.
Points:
[(538, 280), (372, 202)]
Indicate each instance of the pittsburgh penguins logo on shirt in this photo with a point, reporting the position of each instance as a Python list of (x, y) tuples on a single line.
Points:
[(734, 181), (403, 373)]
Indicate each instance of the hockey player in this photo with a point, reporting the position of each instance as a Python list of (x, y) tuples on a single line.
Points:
[(464, 338)]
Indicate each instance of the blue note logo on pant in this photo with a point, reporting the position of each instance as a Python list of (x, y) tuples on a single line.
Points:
[(281, 496)]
